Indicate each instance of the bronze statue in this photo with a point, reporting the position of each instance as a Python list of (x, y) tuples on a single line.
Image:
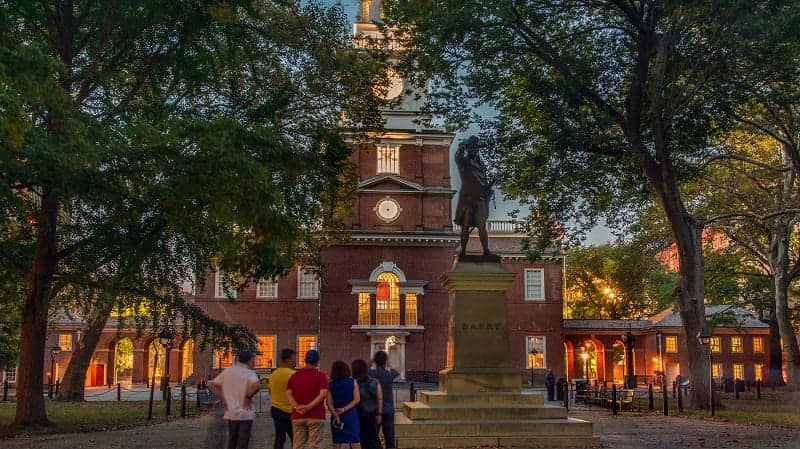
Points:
[(472, 209)]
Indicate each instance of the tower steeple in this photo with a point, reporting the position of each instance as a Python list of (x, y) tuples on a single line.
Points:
[(369, 11)]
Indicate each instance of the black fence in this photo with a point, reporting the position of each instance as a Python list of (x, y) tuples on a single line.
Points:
[(423, 376)]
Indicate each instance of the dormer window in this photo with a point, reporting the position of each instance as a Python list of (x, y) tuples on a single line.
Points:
[(389, 159)]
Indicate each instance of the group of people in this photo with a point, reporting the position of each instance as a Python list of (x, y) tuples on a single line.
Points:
[(358, 399)]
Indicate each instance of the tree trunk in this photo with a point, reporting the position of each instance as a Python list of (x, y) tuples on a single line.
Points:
[(30, 395), (779, 262), (690, 291), (30, 377), (72, 385), (775, 376), (690, 285)]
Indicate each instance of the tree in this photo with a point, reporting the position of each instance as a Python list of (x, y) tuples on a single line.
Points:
[(210, 129), (752, 193), (600, 105), (616, 281)]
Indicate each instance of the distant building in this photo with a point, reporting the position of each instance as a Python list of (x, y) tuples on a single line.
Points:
[(740, 346)]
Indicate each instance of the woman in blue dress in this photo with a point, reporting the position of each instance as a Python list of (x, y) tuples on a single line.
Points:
[(343, 398)]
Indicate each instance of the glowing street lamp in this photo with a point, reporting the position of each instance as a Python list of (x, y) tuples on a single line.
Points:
[(585, 357), (53, 351), (532, 358)]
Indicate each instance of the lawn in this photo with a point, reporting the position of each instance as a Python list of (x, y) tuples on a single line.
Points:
[(775, 408), (72, 417)]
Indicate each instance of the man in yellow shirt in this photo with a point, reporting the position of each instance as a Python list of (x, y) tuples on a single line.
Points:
[(281, 410)]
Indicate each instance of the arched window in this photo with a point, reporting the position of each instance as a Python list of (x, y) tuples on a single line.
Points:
[(387, 300)]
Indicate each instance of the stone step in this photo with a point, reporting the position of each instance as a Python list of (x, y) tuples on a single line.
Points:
[(442, 399), (421, 411), (527, 442), (406, 428)]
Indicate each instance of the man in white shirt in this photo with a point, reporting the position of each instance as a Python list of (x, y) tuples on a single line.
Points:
[(236, 386)]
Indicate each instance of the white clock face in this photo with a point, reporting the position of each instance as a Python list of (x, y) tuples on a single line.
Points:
[(388, 209), (395, 85)]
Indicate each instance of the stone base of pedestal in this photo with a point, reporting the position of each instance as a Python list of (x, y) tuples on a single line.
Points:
[(481, 402), (476, 380), (497, 419)]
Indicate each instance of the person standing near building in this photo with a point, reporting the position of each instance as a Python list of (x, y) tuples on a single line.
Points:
[(343, 399), (369, 409), (306, 392), (281, 410), (550, 383), (385, 377), (236, 386)]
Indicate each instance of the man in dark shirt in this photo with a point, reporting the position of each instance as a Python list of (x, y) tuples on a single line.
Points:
[(385, 377), (550, 383)]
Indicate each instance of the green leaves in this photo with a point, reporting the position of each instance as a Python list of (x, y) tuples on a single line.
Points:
[(623, 280), (174, 136)]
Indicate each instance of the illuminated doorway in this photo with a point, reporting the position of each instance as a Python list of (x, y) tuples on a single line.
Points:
[(156, 349), (187, 367)]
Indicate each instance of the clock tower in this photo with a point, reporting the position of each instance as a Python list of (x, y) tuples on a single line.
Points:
[(381, 289)]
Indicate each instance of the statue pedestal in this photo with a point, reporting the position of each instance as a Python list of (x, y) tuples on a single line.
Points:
[(480, 400), (478, 354)]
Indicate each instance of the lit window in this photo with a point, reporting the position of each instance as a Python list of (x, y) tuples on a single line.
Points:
[(11, 375), (738, 371), (187, 365), (223, 358), (535, 351), (266, 352), (672, 343), (716, 371), (389, 159), (759, 368), (267, 289), (387, 300), (534, 287), (225, 287), (306, 343), (411, 309), (716, 344), (65, 342), (363, 309), (758, 345), (307, 283), (736, 344)]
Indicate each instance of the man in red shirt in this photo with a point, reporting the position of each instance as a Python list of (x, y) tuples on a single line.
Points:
[(306, 391)]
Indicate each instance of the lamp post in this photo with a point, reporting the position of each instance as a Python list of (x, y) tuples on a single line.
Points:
[(628, 339), (53, 351), (585, 357), (165, 338), (532, 355), (665, 400), (704, 338)]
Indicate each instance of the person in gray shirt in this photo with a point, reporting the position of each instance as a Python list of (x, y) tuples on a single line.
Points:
[(385, 377)]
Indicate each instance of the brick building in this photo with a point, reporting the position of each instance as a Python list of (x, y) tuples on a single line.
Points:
[(740, 346)]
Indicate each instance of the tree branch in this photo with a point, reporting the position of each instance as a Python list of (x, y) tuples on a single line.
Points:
[(544, 51)]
